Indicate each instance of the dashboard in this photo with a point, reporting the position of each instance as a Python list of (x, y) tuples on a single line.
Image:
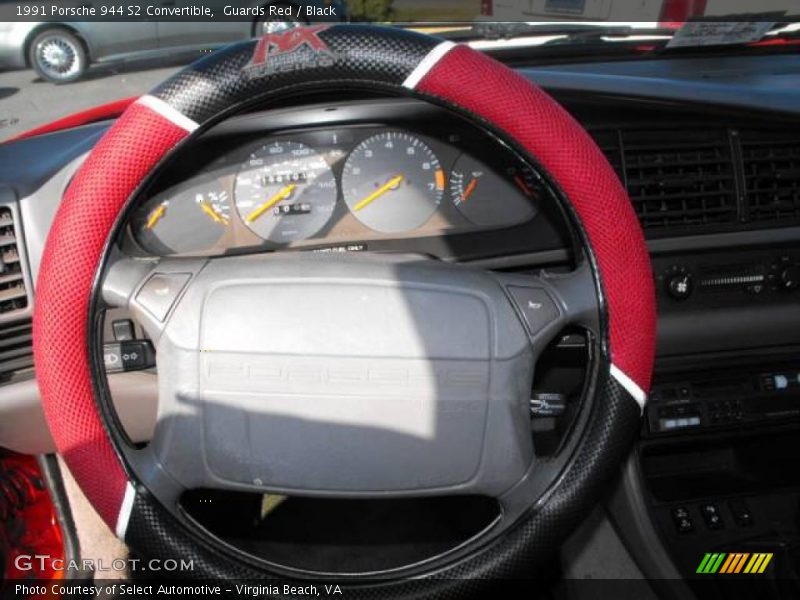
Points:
[(352, 176)]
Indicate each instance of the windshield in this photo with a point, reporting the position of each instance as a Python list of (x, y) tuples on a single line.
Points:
[(57, 59)]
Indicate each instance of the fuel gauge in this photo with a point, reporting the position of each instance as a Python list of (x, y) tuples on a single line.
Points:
[(182, 221)]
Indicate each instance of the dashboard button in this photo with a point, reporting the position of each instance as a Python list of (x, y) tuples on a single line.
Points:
[(790, 277), (536, 306), (123, 330), (679, 283), (712, 516), (680, 513), (741, 514), (683, 522)]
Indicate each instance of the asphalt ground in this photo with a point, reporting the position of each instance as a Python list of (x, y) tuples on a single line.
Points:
[(26, 101)]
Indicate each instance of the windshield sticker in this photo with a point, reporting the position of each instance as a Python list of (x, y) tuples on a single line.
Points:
[(714, 33)]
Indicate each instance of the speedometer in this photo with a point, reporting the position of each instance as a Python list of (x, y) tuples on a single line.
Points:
[(285, 192), (392, 182)]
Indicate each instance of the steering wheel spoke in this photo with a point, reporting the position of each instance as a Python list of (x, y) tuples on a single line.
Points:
[(549, 301), (149, 289)]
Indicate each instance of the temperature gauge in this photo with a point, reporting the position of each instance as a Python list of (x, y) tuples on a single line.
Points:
[(491, 198)]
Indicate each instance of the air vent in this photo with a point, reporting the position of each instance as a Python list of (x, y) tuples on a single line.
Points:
[(771, 164), (13, 296), (16, 350), (680, 179)]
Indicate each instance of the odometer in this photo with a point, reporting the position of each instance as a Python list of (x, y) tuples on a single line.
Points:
[(285, 192)]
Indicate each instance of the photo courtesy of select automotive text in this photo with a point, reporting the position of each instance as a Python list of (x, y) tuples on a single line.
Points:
[(400, 299)]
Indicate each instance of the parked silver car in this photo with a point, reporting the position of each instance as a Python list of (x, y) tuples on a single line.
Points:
[(61, 52)]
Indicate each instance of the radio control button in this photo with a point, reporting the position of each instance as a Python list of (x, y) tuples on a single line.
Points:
[(790, 277), (679, 283)]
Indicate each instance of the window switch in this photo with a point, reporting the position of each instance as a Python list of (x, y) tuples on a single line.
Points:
[(711, 516), (741, 514), (683, 522), (123, 330)]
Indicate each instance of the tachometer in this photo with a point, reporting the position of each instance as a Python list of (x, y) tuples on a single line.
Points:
[(487, 197), (285, 192), (392, 182), (184, 220)]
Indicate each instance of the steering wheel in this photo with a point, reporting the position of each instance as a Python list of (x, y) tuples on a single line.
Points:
[(380, 390)]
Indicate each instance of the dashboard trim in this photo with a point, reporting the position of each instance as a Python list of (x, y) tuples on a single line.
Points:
[(8, 200)]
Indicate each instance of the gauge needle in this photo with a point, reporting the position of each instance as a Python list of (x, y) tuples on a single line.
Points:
[(391, 184), (156, 215), (521, 184), (209, 210), (283, 193), (470, 188)]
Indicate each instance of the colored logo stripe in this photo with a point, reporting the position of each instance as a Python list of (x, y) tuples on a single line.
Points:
[(711, 563), (733, 563), (736, 563), (758, 563)]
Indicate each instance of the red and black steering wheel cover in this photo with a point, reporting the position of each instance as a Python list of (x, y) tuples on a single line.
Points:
[(336, 57)]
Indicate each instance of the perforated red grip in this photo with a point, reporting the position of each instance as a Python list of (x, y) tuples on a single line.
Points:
[(541, 126), (117, 165)]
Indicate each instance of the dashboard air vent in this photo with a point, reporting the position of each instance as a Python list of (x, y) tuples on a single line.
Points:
[(771, 164), (13, 296), (680, 179), (16, 348)]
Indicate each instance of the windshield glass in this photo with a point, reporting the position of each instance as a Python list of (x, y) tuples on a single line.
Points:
[(59, 58)]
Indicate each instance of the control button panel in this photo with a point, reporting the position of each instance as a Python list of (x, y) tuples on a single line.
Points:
[(717, 278), (739, 397), (778, 382), (710, 516), (128, 356)]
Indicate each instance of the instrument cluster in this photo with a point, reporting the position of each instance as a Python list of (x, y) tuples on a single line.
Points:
[(344, 185)]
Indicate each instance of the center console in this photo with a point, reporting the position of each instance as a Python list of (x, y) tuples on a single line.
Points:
[(719, 453)]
